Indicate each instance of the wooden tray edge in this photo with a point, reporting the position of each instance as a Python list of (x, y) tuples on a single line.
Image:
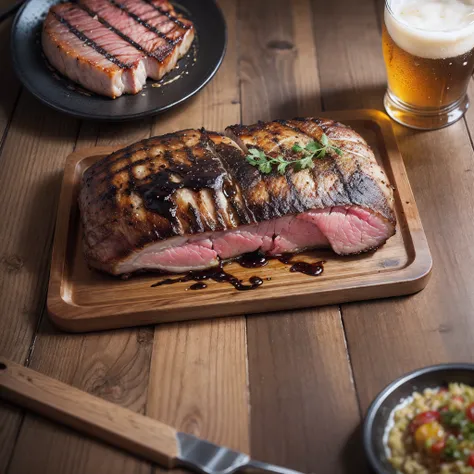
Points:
[(408, 280), (119, 318)]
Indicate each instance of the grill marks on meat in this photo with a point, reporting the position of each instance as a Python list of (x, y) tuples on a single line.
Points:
[(143, 188), (353, 178), (185, 200), (111, 47)]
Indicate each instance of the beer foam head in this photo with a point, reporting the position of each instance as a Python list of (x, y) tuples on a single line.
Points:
[(432, 29)]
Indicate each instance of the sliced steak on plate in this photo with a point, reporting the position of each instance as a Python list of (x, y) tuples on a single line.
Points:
[(111, 48), (187, 200)]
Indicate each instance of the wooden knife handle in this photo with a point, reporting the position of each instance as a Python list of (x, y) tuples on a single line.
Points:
[(111, 423)]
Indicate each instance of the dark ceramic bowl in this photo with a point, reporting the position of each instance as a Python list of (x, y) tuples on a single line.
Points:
[(379, 412)]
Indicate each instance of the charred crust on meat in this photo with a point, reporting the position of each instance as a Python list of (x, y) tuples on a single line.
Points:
[(196, 224), (198, 181)]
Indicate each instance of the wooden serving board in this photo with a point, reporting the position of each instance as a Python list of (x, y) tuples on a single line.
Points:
[(80, 299)]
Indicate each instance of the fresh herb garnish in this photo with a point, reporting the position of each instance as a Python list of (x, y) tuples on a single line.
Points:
[(453, 418), (311, 151), (452, 451), (467, 430)]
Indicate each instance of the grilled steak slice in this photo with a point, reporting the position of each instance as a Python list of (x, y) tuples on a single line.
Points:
[(98, 59), (110, 48), (186, 200), (334, 186), (152, 26)]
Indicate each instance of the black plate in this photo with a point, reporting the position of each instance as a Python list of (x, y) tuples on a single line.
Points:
[(380, 410), (195, 70)]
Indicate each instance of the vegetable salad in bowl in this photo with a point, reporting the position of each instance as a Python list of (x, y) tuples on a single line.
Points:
[(433, 432)]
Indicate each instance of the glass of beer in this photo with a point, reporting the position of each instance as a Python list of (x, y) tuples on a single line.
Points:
[(428, 48)]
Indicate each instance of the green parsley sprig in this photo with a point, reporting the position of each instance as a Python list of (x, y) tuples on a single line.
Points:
[(308, 153)]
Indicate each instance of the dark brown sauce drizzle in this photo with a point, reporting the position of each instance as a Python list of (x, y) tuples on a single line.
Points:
[(257, 260), (217, 274), (252, 260), (311, 269), (248, 260)]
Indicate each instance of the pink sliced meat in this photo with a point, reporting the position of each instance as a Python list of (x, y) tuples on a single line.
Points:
[(190, 199), (350, 230), (107, 46)]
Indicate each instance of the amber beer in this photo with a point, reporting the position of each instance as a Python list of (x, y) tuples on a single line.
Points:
[(428, 48)]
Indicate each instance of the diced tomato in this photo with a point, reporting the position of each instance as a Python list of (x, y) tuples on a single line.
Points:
[(470, 460), (458, 398), (428, 434), (470, 412), (444, 409), (438, 447), (423, 418)]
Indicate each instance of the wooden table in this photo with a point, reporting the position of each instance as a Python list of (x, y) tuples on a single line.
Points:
[(290, 388)]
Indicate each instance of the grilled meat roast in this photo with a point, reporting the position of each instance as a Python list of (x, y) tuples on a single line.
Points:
[(110, 47), (187, 200)]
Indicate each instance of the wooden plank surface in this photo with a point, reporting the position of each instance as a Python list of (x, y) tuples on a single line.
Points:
[(97, 418), (291, 370), (393, 337), (9, 86), (304, 408), (112, 365), (198, 380), (294, 58), (30, 176)]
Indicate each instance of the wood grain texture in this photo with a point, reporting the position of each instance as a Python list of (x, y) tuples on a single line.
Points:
[(30, 175), (97, 418), (9, 84), (279, 74), (287, 382), (388, 338), (350, 58), (207, 395), (113, 366), (4, 4), (102, 134), (198, 376), (304, 407)]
